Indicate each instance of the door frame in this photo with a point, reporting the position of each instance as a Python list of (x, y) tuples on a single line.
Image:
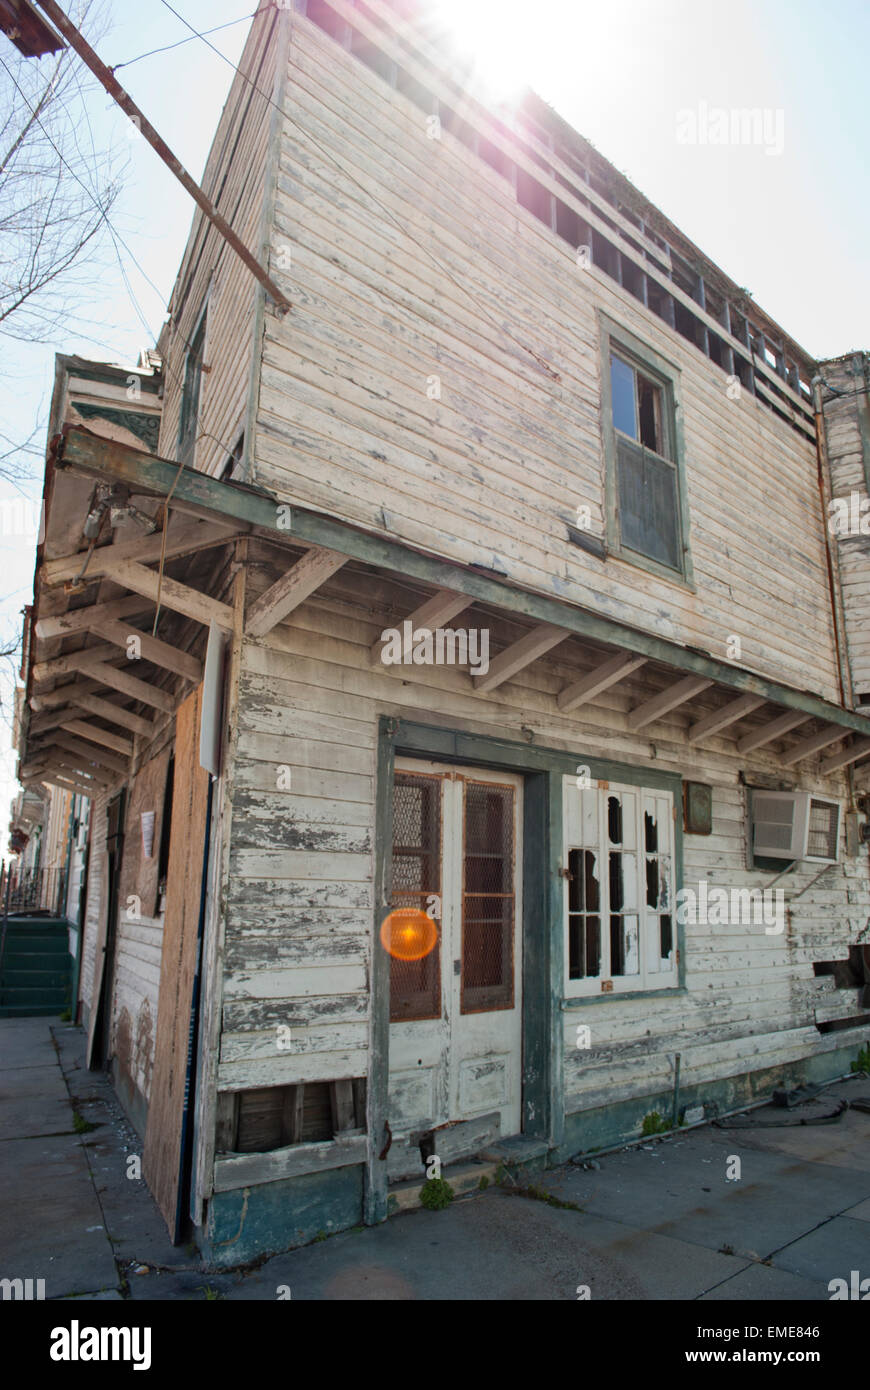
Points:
[(450, 774), (543, 770)]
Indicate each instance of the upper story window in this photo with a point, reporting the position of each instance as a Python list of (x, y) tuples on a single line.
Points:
[(190, 396), (647, 512)]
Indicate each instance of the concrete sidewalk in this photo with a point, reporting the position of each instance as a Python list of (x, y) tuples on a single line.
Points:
[(661, 1221)]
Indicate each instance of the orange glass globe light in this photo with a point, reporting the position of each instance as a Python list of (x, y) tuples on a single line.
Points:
[(408, 933)]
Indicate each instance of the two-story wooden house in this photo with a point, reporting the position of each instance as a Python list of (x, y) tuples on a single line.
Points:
[(492, 583)]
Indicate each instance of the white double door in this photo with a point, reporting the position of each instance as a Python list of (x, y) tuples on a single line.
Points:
[(456, 1015)]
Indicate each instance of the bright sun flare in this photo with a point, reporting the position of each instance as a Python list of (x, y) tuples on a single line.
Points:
[(493, 36)]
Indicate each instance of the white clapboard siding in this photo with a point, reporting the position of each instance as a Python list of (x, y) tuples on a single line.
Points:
[(235, 177), (495, 469), (299, 930)]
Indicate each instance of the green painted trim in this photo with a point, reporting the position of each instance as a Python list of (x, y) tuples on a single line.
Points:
[(257, 507), (378, 1086), (580, 1001), (587, 1131), (250, 1222), (542, 907), (487, 750), (613, 336), (270, 189)]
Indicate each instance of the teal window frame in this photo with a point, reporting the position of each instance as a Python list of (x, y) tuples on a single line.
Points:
[(616, 340)]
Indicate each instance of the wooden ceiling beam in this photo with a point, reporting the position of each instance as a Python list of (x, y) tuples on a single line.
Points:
[(180, 598), (520, 654), (437, 611), (44, 671), (79, 619), (721, 718), (814, 744), (150, 648), (666, 700), (115, 714), (292, 589), (90, 754), (774, 729), (184, 539), (608, 674), (97, 735), (126, 684), (846, 756)]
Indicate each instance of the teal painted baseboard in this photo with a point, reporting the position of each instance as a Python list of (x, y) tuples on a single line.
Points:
[(275, 1216), (586, 1131)]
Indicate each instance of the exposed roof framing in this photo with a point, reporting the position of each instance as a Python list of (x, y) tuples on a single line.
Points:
[(217, 510)]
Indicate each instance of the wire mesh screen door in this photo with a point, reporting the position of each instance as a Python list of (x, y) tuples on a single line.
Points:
[(488, 898), (415, 985)]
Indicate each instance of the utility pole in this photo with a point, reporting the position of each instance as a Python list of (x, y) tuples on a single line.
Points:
[(104, 75)]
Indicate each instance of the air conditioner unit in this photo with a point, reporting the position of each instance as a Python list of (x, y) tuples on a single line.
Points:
[(795, 825)]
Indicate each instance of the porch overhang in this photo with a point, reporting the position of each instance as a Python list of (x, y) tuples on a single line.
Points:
[(226, 509)]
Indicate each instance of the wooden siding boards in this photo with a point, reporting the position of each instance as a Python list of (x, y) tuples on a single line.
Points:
[(234, 177), (310, 702), (493, 471)]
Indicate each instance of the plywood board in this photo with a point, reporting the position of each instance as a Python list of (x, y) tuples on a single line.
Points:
[(140, 875), (178, 963)]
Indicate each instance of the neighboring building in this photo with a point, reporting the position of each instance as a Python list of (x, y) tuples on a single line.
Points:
[(587, 480)]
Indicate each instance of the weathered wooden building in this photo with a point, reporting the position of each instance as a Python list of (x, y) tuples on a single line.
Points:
[(493, 579)]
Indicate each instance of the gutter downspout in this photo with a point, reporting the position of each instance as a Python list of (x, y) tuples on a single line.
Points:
[(823, 467)]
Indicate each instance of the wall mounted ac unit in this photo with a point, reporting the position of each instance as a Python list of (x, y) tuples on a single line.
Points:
[(795, 825)]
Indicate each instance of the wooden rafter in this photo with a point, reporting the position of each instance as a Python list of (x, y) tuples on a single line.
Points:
[(721, 718), (519, 654), (183, 539), (79, 619), (97, 735), (805, 749), (131, 685), (65, 665), (181, 598), (292, 589), (90, 754), (152, 649), (666, 700), (114, 714), (775, 729), (609, 673), (441, 608), (859, 749)]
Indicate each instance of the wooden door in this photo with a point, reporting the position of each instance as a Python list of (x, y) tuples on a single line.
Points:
[(178, 965), (456, 1015)]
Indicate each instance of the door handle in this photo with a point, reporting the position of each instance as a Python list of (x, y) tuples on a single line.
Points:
[(457, 967)]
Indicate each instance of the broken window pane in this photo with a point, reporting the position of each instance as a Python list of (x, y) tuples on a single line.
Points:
[(649, 405), (622, 391), (614, 820)]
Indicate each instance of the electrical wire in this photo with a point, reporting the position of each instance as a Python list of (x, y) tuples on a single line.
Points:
[(115, 238), (167, 48)]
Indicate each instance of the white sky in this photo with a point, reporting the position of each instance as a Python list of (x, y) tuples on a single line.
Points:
[(790, 227)]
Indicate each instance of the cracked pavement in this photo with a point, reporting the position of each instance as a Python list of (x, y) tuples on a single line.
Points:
[(658, 1221)]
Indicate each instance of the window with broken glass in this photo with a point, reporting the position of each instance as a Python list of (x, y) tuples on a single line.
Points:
[(620, 924), (646, 505)]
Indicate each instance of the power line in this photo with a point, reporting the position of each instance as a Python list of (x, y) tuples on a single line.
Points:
[(463, 289), (167, 48)]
